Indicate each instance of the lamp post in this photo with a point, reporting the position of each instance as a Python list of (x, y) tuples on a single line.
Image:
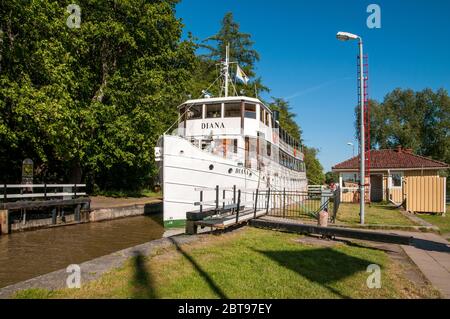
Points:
[(353, 147), (345, 36)]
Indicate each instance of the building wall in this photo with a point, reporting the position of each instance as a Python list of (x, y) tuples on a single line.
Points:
[(395, 194)]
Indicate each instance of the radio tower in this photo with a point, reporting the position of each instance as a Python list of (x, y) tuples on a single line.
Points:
[(366, 121)]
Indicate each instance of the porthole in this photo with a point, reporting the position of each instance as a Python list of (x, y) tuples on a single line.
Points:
[(230, 171), (211, 167)]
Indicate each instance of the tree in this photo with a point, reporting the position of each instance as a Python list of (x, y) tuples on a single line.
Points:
[(241, 51), (416, 120), (314, 170), (89, 102), (331, 177)]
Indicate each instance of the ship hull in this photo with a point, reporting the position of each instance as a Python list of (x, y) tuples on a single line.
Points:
[(185, 170)]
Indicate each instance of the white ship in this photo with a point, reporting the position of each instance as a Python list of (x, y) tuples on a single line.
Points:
[(225, 141)]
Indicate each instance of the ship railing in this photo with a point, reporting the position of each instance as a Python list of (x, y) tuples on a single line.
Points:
[(255, 203), (306, 205)]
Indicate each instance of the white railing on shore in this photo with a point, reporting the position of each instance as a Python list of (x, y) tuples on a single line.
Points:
[(26, 193)]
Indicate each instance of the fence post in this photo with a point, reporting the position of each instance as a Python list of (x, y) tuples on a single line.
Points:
[(224, 195), (234, 197), (54, 216), (201, 201), (45, 190), (217, 198), (256, 203), (75, 191), (77, 213), (4, 192), (238, 206), (284, 202), (268, 201)]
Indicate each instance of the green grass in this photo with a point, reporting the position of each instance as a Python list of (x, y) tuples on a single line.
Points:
[(443, 222), (375, 214), (129, 194), (250, 263)]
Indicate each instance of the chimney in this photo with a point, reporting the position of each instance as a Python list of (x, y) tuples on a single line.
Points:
[(408, 150), (398, 148)]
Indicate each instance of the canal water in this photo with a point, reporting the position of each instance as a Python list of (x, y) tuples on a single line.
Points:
[(30, 254)]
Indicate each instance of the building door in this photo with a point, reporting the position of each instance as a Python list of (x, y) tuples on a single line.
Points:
[(376, 188)]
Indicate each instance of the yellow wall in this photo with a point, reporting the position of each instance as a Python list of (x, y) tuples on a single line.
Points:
[(398, 194), (425, 194)]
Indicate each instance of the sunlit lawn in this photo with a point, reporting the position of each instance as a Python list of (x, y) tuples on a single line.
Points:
[(250, 263), (443, 222), (375, 214)]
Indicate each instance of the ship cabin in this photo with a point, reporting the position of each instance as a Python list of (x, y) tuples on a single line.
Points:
[(241, 128)]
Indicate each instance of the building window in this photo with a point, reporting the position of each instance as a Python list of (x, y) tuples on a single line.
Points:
[(195, 112), (350, 179), (232, 109), (213, 111), (397, 179), (250, 111), (267, 118)]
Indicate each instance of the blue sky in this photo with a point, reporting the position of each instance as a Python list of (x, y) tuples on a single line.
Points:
[(301, 59)]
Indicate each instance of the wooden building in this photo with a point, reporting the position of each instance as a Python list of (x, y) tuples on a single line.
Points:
[(398, 176)]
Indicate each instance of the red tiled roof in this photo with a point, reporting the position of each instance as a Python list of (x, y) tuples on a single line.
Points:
[(389, 159)]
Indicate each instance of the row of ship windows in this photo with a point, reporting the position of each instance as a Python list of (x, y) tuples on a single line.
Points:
[(227, 147), (230, 110)]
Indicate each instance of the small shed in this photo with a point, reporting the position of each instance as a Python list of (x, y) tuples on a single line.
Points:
[(399, 176)]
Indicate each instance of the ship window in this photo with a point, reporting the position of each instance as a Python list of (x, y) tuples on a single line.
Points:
[(213, 111), (250, 111), (233, 110), (195, 112)]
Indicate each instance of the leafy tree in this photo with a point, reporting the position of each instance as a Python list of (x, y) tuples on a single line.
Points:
[(314, 170), (89, 102), (331, 177), (416, 120), (241, 51)]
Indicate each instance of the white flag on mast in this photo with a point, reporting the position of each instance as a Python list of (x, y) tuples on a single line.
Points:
[(241, 75)]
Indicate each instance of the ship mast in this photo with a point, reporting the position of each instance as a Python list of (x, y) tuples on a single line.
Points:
[(226, 66)]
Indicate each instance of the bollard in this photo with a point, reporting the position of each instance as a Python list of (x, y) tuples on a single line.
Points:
[(323, 218)]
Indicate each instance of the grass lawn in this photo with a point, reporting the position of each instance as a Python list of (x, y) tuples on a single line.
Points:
[(443, 222), (375, 214), (129, 194), (250, 263)]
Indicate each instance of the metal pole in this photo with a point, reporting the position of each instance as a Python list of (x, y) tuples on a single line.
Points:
[(226, 68), (217, 198), (256, 203), (362, 159), (238, 206)]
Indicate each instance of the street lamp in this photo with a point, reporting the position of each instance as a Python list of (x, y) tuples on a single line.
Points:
[(353, 147), (345, 36)]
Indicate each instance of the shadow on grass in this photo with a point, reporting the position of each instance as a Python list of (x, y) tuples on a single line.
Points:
[(217, 290), (323, 266), (142, 282)]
